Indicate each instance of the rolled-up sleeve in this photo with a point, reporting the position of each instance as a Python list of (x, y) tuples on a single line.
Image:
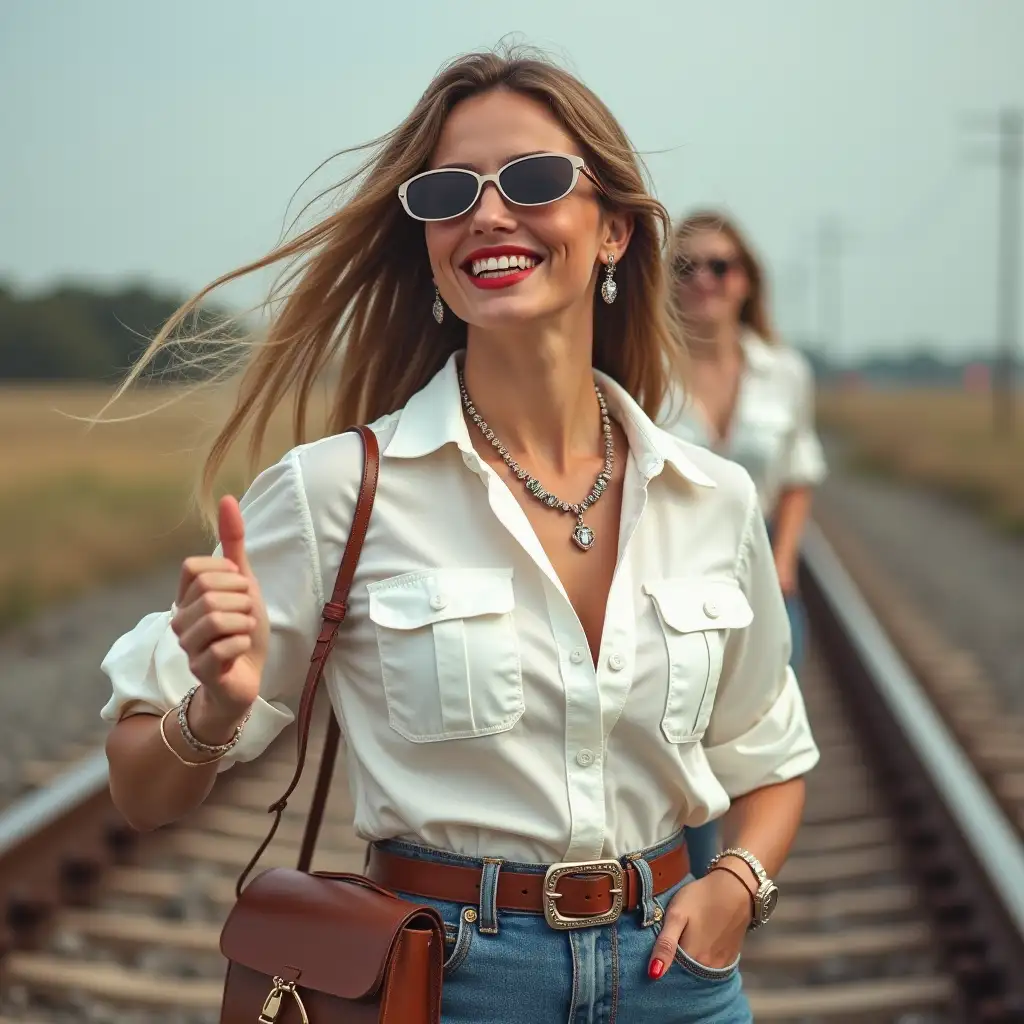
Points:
[(805, 464), (147, 668), (758, 733)]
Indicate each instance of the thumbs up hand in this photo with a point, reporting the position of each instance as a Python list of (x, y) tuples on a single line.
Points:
[(221, 624)]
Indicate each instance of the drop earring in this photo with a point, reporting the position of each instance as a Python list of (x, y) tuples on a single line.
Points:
[(438, 308), (609, 289)]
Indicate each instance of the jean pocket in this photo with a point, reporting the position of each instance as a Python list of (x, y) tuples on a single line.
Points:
[(459, 925), (702, 971), (694, 968), (458, 940)]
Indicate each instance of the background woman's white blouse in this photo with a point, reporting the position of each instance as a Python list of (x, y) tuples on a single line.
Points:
[(474, 716), (772, 432)]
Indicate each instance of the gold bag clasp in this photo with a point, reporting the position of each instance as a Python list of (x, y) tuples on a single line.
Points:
[(272, 1004)]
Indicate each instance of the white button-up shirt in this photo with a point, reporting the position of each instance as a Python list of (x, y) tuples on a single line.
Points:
[(772, 431), (475, 718)]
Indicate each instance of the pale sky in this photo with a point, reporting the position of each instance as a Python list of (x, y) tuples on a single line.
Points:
[(163, 141)]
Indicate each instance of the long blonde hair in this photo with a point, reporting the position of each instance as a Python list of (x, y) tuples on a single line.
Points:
[(754, 312), (357, 291)]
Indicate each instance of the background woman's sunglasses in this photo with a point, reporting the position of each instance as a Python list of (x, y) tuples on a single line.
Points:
[(526, 181), (717, 267)]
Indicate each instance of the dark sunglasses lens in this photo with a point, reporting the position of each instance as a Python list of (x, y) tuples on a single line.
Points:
[(442, 195), (537, 180), (719, 268)]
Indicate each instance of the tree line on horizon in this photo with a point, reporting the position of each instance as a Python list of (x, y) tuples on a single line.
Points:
[(78, 332)]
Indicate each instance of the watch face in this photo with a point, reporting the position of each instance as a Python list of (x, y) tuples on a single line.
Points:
[(768, 902)]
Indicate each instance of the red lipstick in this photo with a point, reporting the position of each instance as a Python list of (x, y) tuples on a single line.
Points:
[(506, 280)]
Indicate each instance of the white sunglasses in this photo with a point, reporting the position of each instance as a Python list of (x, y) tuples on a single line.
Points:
[(534, 180)]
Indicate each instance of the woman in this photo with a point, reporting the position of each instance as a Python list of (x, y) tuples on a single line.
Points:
[(748, 398), (515, 683)]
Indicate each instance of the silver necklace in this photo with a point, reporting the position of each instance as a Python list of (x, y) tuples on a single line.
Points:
[(582, 534)]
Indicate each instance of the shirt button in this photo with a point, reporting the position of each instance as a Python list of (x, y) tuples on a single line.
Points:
[(711, 609), (438, 601), (585, 758), (616, 662), (577, 656)]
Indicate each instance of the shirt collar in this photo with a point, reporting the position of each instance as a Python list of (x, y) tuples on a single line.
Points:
[(433, 418), (651, 446), (758, 355)]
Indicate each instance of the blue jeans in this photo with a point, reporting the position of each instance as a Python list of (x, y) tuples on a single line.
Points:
[(702, 841), (510, 967)]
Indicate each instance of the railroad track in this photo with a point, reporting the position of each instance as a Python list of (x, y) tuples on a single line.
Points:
[(903, 898)]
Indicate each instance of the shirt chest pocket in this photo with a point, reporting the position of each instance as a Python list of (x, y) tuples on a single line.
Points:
[(449, 654), (695, 616), (762, 439)]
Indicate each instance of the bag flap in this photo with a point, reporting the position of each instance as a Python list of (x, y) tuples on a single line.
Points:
[(332, 933)]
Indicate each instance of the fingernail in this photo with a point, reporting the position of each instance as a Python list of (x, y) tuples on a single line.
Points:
[(656, 969)]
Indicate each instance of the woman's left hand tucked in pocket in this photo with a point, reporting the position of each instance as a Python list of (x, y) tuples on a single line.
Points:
[(708, 919)]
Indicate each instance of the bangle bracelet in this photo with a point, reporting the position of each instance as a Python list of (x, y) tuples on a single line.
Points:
[(167, 744), (746, 888)]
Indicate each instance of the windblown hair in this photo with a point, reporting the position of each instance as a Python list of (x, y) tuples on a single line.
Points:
[(355, 295), (754, 312)]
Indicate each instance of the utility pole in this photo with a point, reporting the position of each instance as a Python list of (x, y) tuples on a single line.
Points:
[(1011, 161), (793, 292), (829, 280)]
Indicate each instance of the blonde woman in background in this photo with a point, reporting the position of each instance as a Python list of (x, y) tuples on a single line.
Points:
[(565, 639), (747, 397)]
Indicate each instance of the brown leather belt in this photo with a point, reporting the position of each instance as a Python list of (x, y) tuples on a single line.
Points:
[(570, 895)]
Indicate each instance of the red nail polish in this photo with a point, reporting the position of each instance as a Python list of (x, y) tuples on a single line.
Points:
[(656, 969)]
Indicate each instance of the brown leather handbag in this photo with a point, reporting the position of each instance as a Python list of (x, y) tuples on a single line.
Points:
[(316, 947)]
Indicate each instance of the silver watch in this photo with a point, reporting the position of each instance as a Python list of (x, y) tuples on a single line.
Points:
[(767, 896)]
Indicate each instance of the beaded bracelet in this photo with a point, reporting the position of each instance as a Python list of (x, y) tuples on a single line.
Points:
[(196, 744)]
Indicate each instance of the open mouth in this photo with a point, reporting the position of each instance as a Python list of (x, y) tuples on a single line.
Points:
[(500, 267)]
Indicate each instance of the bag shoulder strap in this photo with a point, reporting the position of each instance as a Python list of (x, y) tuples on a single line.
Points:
[(333, 614)]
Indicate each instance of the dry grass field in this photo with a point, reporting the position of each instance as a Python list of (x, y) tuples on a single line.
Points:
[(80, 506), (83, 506), (941, 439)]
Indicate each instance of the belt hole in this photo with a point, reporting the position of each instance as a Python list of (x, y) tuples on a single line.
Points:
[(526, 892)]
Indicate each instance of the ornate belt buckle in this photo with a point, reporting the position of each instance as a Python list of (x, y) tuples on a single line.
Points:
[(612, 868)]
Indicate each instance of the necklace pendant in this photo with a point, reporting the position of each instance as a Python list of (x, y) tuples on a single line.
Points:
[(584, 536)]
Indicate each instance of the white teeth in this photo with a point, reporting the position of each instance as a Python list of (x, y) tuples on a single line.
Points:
[(500, 263)]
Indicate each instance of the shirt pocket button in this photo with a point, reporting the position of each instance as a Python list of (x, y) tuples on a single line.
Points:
[(711, 609), (438, 602)]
